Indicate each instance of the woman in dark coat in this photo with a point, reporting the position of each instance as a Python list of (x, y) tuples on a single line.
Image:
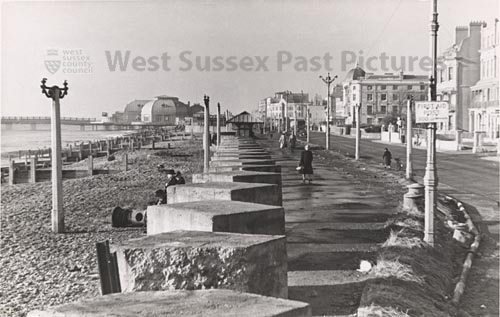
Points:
[(306, 163), (387, 157)]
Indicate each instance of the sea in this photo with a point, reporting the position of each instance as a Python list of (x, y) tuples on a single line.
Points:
[(21, 137)]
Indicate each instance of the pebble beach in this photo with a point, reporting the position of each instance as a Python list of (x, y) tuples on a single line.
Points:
[(40, 268)]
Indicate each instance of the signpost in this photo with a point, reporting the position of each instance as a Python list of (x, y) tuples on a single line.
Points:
[(431, 111)]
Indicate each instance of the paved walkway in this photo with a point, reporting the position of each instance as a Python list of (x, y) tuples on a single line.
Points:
[(331, 225)]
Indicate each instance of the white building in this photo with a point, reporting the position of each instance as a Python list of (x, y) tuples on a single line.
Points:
[(484, 111)]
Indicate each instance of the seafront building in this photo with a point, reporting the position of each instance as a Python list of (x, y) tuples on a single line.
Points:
[(284, 109), (458, 72), (380, 96), (484, 110)]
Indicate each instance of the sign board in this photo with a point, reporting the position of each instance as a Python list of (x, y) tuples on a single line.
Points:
[(431, 111)]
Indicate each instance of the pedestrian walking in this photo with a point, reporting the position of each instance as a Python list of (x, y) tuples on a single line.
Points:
[(387, 157), (293, 141), (282, 141), (305, 165)]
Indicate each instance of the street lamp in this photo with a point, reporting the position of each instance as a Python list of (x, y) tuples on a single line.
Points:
[(328, 81), (358, 131), (409, 137), (206, 136), (431, 178), (55, 93)]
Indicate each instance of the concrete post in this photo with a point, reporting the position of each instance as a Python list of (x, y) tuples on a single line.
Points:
[(125, 162), (218, 124), (90, 166), (206, 136), (409, 137), (478, 142), (458, 139), (33, 170), (12, 171), (55, 93)]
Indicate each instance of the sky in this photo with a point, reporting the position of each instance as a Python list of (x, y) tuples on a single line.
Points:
[(295, 35)]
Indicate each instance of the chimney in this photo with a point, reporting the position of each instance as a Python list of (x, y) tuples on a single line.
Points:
[(461, 33), (189, 103), (475, 28)]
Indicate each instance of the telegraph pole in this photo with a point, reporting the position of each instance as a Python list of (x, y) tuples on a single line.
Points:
[(328, 81), (206, 136), (409, 137), (55, 93), (431, 178)]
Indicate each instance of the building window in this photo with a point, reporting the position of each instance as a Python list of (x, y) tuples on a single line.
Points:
[(441, 76), (394, 87), (369, 120), (369, 97), (369, 110), (353, 97), (394, 96), (450, 73), (383, 109), (395, 109), (383, 97), (410, 87), (383, 87), (369, 87), (422, 97), (422, 87)]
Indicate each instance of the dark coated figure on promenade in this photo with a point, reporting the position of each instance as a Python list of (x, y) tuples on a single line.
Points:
[(305, 164), (387, 157), (293, 142)]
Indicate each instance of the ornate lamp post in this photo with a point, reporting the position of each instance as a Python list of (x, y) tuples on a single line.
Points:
[(409, 137), (431, 178), (55, 93), (206, 135), (218, 124), (328, 81), (358, 131)]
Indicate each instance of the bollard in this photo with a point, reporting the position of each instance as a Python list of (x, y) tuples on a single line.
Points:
[(414, 197), (12, 171), (125, 162), (168, 145), (33, 170), (90, 166)]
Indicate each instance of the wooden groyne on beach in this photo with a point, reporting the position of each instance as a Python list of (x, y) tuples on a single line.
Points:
[(32, 166)]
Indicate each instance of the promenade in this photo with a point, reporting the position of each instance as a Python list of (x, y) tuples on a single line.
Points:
[(331, 225)]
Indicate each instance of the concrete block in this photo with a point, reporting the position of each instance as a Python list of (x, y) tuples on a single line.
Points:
[(201, 260), (207, 303), (242, 156), (239, 176), (242, 162), (267, 194), (255, 168), (217, 216)]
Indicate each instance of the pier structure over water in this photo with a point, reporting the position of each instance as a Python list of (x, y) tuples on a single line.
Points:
[(8, 123)]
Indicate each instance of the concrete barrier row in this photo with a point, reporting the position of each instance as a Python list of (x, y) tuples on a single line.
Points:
[(225, 231)]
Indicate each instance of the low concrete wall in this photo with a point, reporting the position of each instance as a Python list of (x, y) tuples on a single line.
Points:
[(198, 260), (267, 194), (180, 303), (218, 215)]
